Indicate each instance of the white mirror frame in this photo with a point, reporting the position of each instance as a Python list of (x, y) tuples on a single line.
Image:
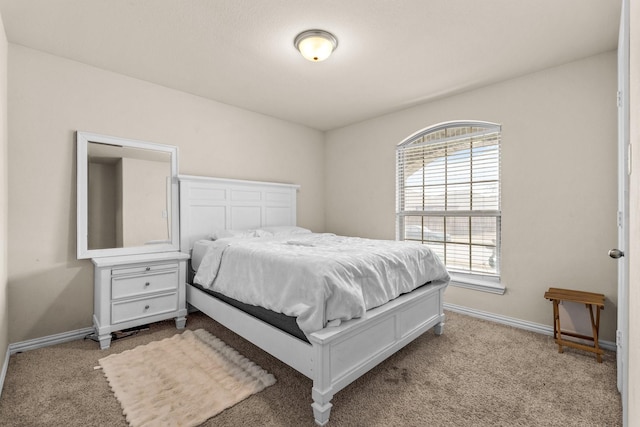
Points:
[(83, 251)]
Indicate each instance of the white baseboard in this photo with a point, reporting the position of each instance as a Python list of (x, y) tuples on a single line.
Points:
[(516, 323), (49, 340)]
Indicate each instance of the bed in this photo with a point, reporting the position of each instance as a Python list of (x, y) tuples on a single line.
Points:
[(332, 356)]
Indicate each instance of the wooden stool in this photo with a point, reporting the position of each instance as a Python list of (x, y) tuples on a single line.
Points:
[(589, 299)]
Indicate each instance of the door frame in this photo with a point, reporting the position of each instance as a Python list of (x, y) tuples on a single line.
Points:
[(624, 170)]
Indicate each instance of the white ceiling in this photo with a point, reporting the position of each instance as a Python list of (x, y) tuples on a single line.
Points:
[(392, 54)]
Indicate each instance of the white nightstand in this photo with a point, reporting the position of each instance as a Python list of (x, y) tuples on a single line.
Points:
[(134, 290)]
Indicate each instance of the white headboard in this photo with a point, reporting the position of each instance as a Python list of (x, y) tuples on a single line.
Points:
[(209, 204)]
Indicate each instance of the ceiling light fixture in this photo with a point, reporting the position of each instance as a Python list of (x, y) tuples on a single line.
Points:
[(315, 45)]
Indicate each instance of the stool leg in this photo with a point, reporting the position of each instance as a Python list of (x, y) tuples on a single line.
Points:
[(595, 327), (556, 326)]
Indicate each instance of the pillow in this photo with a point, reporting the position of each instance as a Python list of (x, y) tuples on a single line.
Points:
[(262, 233), (284, 229), (220, 234)]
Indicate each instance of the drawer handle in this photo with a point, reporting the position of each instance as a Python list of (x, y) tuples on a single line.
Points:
[(146, 307), (146, 284)]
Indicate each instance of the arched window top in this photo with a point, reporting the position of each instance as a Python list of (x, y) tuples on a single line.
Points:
[(448, 194), (441, 132)]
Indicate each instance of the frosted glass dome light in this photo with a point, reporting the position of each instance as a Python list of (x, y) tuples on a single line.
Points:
[(315, 45)]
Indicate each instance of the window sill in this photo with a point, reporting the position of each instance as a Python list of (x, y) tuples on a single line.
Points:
[(478, 283)]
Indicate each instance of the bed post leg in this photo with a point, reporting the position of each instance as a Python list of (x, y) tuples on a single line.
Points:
[(439, 328), (321, 406)]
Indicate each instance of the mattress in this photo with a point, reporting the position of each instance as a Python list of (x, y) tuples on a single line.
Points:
[(281, 321)]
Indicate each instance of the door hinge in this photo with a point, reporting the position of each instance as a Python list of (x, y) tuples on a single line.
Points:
[(619, 338), (619, 99), (619, 219)]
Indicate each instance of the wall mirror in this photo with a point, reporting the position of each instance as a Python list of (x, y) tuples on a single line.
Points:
[(127, 196)]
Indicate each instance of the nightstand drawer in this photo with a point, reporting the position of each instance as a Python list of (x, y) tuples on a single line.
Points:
[(123, 287), (137, 309), (144, 268)]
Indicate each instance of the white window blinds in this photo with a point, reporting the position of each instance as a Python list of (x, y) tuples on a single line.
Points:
[(448, 194)]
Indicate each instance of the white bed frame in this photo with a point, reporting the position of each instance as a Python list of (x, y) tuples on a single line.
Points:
[(336, 356)]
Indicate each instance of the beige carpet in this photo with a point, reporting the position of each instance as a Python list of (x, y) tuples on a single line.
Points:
[(477, 374), (181, 381)]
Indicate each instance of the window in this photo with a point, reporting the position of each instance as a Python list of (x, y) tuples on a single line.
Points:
[(448, 195)]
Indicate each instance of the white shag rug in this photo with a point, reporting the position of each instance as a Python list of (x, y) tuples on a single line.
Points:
[(181, 381)]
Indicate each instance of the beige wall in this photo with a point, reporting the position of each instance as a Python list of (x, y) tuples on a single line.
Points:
[(558, 173), (559, 192), (4, 302), (49, 98)]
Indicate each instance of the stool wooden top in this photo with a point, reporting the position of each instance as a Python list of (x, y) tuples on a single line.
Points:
[(575, 296)]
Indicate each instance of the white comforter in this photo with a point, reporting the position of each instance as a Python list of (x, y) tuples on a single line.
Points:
[(321, 279)]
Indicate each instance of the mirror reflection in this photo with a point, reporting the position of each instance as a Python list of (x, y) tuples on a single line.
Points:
[(129, 196)]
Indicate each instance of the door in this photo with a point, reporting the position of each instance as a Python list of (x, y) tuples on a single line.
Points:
[(624, 170)]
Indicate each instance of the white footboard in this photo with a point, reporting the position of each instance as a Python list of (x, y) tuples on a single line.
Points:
[(345, 353)]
